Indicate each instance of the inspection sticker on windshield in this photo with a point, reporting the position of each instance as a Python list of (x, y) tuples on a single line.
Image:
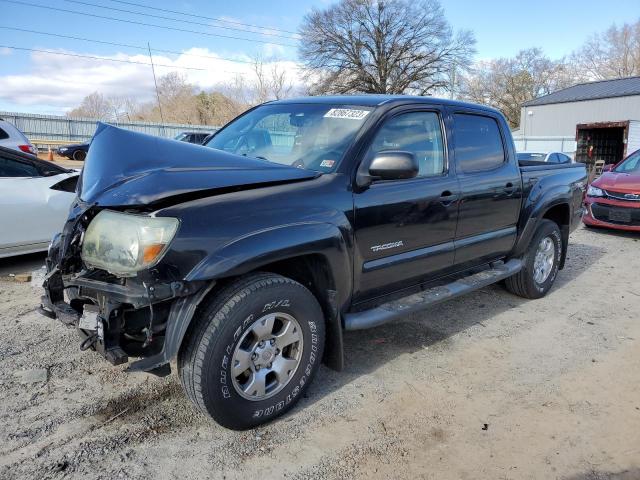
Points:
[(327, 163), (346, 113)]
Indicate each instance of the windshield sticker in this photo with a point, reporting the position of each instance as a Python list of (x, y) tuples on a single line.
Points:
[(327, 163), (346, 113)]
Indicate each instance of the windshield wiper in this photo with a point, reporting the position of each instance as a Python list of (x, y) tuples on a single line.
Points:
[(257, 156)]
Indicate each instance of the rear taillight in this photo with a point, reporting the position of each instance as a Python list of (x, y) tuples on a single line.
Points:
[(28, 149)]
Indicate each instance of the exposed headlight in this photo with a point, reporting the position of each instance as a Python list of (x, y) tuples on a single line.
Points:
[(594, 192), (124, 244), (63, 149)]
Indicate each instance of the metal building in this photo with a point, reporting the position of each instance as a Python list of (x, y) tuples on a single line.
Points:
[(603, 117)]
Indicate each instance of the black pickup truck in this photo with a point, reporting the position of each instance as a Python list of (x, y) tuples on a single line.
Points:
[(247, 258)]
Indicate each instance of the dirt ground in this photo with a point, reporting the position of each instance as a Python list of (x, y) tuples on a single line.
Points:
[(486, 387)]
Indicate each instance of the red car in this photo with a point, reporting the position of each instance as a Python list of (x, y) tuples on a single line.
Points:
[(613, 200)]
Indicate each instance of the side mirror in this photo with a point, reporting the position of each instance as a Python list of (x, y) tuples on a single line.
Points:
[(608, 168), (393, 165)]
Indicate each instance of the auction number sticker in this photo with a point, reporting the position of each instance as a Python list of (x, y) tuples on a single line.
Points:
[(346, 113)]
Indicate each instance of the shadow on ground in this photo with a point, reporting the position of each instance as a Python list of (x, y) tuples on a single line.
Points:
[(366, 351), (612, 232), (21, 264), (633, 474)]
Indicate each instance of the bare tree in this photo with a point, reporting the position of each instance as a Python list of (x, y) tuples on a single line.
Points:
[(506, 83), (124, 108), (177, 97), (215, 108), (378, 46), (614, 53), (94, 105), (270, 82), (182, 103)]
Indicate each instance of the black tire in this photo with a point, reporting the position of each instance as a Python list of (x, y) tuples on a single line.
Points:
[(221, 323), (524, 283), (79, 155)]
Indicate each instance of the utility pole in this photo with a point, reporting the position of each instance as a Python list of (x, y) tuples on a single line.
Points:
[(156, 84)]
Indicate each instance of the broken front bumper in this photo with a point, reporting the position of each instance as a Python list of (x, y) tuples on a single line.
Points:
[(122, 320)]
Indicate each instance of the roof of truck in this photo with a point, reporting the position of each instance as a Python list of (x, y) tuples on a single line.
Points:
[(374, 100)]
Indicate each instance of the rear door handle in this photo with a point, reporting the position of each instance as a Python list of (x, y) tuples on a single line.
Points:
[(447, 198)]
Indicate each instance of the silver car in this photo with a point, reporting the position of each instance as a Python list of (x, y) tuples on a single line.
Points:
[(11, 137), (548, 157)]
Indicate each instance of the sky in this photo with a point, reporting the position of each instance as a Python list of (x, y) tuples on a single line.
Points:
[(40, 82)]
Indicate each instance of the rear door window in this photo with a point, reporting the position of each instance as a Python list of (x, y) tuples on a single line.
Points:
[(3, 135), (478, 143)]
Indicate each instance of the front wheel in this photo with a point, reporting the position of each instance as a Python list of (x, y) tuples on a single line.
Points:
[(541, 263), (253, 350)]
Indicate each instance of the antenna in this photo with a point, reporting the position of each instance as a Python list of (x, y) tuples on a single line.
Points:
[(156, 84)]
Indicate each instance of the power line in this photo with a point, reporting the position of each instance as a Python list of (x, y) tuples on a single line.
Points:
[(104, 58), (134, 22), (215, 19), (126, 45), (79, 2)]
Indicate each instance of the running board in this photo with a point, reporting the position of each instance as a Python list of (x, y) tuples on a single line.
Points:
[(396, 309)]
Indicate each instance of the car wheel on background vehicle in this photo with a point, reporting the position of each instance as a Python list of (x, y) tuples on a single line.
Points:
[(252, 351), (541, 263), (79, 155)]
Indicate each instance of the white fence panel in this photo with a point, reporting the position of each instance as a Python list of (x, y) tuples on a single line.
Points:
[(62, 129), (545, 144)]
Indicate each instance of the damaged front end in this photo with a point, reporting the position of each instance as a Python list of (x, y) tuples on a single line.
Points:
[(117, 316), (112, 272)]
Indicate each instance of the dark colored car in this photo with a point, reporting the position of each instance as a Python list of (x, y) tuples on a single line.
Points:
[(76, 152), (193, 137), (247, 261), (613, 199)]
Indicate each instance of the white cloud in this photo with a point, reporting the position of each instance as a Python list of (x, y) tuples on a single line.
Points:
[(57, 83), (273, 50)]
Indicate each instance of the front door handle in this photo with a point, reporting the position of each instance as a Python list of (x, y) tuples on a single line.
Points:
[(509, 189), (447, 198)]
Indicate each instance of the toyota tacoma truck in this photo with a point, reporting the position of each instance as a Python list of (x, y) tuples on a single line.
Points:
[(245, 260)]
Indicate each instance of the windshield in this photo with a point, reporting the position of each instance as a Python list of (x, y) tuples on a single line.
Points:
[(302, 135), (630, 165), (533, 157)]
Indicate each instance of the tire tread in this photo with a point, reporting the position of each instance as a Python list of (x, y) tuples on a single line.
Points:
[(208, 319), (518, 284)]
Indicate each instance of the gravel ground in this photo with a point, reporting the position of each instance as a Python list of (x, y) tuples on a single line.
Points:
[(486, 387)]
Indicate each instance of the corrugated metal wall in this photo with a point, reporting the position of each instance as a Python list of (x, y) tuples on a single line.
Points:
[(560, 119), (58, 128)]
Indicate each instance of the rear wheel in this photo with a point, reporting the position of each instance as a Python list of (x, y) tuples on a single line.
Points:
[(541, 263), (253, 351)]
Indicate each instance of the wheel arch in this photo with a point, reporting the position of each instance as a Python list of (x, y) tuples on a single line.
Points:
[(557, 210), (561, 215), (315, 255)]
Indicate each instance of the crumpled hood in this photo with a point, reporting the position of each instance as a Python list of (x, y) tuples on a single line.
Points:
[(125, 168), (619, 182)]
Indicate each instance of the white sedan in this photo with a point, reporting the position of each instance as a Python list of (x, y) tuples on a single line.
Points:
[(549, 157), (35, 196)]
